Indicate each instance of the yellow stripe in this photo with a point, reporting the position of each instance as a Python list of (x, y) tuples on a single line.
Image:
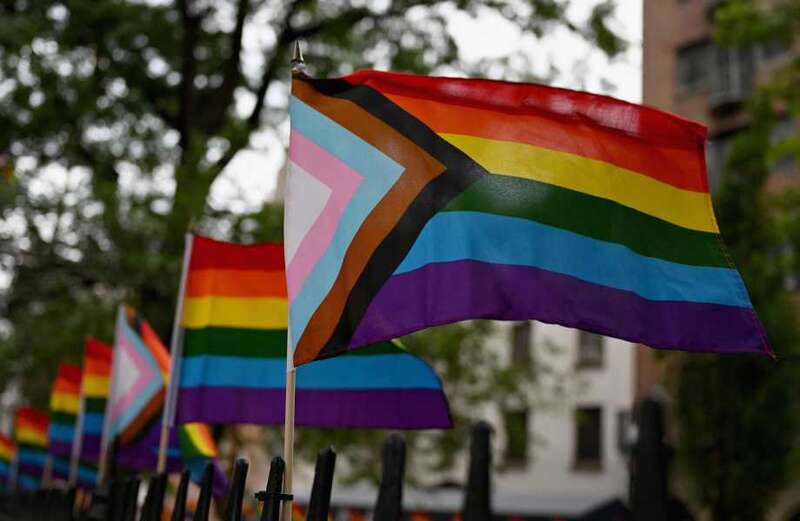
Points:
[(6, 453), (95, 386), (201, 438), (246, 313), (681, 207), (70, 403), (32, 437)]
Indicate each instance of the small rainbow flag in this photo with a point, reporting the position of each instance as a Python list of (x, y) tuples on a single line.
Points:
[(94, 395), (233, 363), (8, 452), (65, 402), (31, 436)]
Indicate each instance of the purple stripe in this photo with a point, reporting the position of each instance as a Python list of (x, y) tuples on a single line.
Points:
[(381, 408), (30, 470), (462, 290), (59, 448), (90, 448)]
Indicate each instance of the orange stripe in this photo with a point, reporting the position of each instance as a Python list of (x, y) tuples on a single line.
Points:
[(236, 283), (65, 387), (678, 166), (96, 367)]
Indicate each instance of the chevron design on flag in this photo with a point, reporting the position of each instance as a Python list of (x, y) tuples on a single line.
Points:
[(137, 381)]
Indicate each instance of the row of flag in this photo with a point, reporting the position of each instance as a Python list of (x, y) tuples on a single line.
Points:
[(231, 369), (413, 202)]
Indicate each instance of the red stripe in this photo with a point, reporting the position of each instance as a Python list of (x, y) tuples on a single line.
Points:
[(649, 141), (69, 374), (209, 253), (96, 350), (33, 417)]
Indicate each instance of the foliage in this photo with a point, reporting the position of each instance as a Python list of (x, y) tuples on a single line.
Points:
[(120, 115), (737, 416)]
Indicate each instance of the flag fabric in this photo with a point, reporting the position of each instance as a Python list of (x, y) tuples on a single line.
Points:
[(65, 399), (140, 364), (31, 437), (417, 201), (94, 395), (8, 452), (233, 365), (190, 446)]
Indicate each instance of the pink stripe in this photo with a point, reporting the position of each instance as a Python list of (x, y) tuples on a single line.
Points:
[(343, 182), (143, 370)]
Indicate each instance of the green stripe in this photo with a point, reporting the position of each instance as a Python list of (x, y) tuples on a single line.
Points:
[(381, 348), (591, 217), (62, 417), (221, 341), (97, 405)]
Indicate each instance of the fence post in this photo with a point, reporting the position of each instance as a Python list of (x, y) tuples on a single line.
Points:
[(233, 503), (154, 501), (320, 501), (206, 489), (271, 496), (179, 508), (649, 491), (389, 506), (131, 500), (478, 495)]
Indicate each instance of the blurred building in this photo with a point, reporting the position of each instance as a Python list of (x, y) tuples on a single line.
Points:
[(570, 438), (687, 73)]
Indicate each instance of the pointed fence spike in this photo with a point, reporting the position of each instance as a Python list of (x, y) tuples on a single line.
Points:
[(131, 500), (320, 502), (271, 495), (233, 503), (203, 509), (179, 508), (154, 501), (116, 501), (478, 495), (389, 506), (650, 479)]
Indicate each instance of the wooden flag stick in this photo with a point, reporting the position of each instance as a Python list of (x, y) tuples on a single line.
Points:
[(107, 436), (175, 353), (298, 68)]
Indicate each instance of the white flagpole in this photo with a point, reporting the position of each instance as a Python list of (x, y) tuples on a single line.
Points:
[(77, 440), (175, 352), (107, 435), (298, 67)]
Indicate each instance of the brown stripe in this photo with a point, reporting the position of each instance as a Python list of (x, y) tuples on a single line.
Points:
[(420, 169), (148, 413)]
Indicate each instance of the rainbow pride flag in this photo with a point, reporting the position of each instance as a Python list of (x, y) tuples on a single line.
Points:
[(233, 364), (30, 432), (65, 402), (417, 201), (94, 395), (139, 370), (8, 452)]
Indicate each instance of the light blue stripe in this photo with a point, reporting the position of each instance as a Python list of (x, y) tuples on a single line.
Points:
[(340, 373), (61, 466), (87, 475), (93, 423), (4, 467), (152, 388), (454, 236), (61, 432), (380, 173)]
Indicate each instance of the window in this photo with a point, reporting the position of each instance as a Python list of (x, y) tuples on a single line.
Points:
[(521, 342), (590, 350), (516, 425), (731, 76), (772, 50), (588, 438), (693, 66)]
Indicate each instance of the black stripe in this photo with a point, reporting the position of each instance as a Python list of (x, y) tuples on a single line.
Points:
[(461, 172)]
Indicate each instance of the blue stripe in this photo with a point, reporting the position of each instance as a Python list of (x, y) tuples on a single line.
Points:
[(340, 373), (93, 423), (455, 236), (36, 459), (26, 482), (87, 475), (61, 432), (4, 467), (61, 466), (380, 174)]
